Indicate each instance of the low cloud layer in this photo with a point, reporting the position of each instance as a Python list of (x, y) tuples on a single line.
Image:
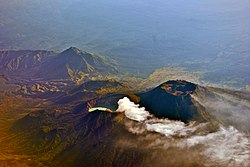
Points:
[(229, 109), (225, 147), (170, 128)]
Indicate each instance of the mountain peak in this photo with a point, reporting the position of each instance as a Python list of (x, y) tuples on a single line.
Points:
[(178, 87), (73, 50), (172, 100)]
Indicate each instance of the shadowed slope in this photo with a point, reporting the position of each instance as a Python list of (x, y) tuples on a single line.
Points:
[(172, 100), (74, 64)]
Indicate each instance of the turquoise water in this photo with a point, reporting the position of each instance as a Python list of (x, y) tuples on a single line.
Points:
[(97, 108)]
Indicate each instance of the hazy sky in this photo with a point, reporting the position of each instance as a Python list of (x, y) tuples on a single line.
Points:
[(191, 33), (112, 24)]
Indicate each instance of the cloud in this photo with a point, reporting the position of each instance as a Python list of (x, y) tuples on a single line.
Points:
[(229, 109), (170, 128), (226, 146), (132, 110)]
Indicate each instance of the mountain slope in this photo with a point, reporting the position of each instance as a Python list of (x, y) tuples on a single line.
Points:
[(69, 139), (172, 100), (74, 64), (76, 137), (22, 62), (90, 90), (71, 64)]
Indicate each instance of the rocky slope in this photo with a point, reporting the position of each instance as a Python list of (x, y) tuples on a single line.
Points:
[(181, 122), (76, 65), (71, 64)]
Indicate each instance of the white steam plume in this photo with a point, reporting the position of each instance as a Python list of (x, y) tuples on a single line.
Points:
[(170, 128), (132, 110)]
